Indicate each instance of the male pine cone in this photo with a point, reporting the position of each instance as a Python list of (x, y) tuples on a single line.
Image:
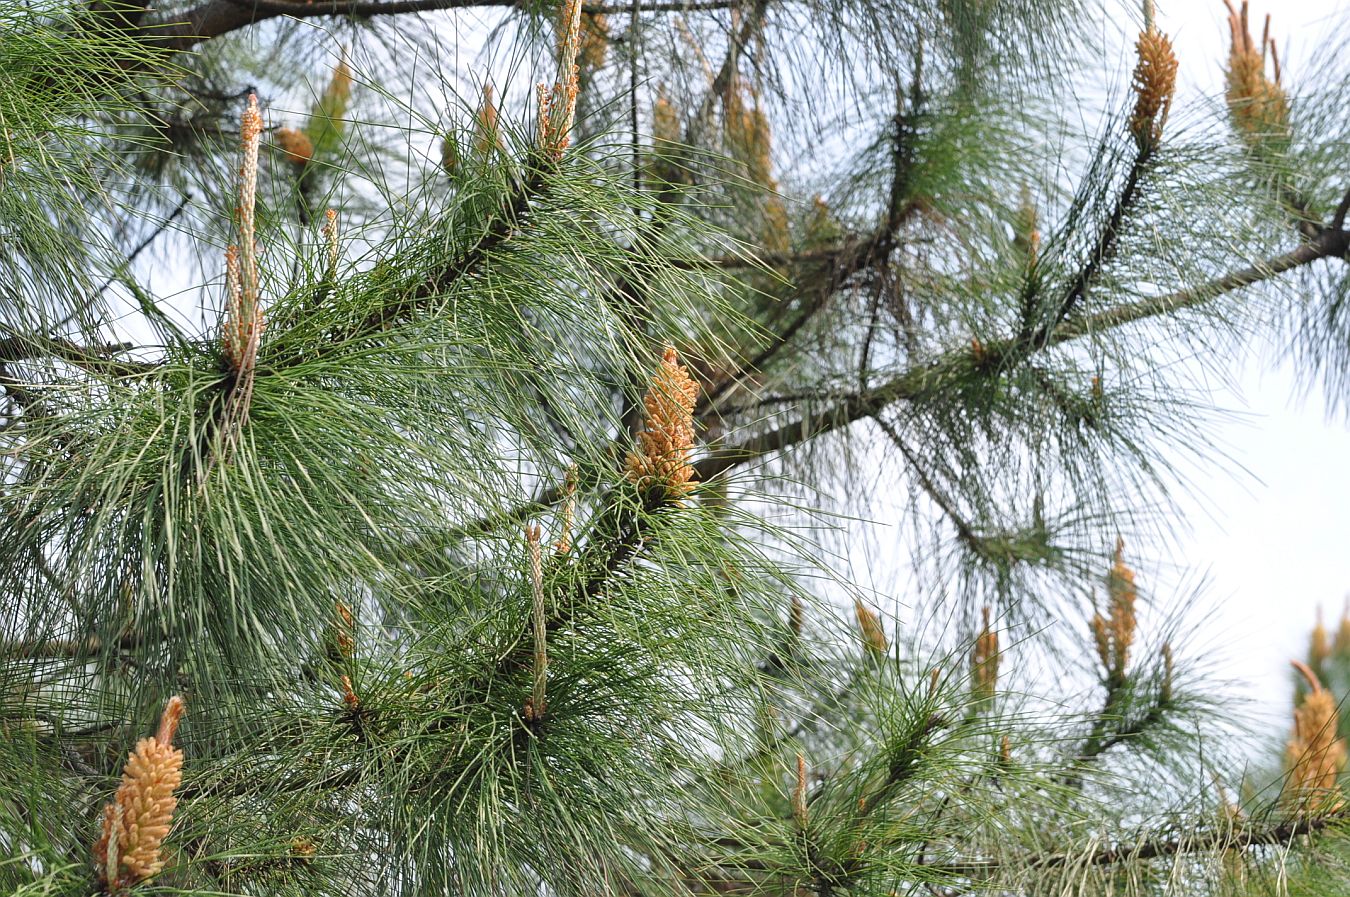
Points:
[(136, 822), (666, 443), (1155, 80), (1315, 754)]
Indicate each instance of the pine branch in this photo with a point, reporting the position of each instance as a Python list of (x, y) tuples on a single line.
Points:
[(94, 359), (1102, 252), (504, 225), (918, 380), (216, 18), (846, 260), (1235, 838), (964, 530), (1328, 244), (1131, 729), (853, 407), (1148, 848), (1113, 725), (1338, 219)]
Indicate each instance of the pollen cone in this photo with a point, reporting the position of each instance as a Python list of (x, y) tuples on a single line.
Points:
[(1315, 755), (138, 819), (1155, 80), (666, 443)]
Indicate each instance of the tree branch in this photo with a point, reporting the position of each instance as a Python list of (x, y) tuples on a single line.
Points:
[(1102, 252), (1338, 219), (215, 18), (847, 261), (90, 358), (853, 407), (1237, 837), (1328, 244), (914, 382)]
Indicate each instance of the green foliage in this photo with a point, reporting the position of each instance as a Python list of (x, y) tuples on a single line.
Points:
[(910, 289)]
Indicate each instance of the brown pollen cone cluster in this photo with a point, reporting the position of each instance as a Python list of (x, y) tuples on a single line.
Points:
[(1342, 642), (294, 145), (664, 167), (869, 624), (487, 133), (338, 91), (1319, 645), (594, 40), (666, 443), (136, 822), (1027, 229), (665, 120), (344, 630), (984, 660), (349, 697), (1155, 80), (750, 140), (1114, 634), (569, 512), (799, 809), (1258, 104), (1315, 754), (243, 318)]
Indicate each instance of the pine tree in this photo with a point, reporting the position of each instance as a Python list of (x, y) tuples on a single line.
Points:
[(432, 427)]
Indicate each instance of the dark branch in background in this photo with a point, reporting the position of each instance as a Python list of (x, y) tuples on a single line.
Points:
[(902, 162), (1116, 723), (1148, 847), (94, 359), (1338, 219), (754, 19), (216, 18), (20, 397), (1123, 733), (501, 228), (149, 238), (634, 82), (844, 262), (964, 531)]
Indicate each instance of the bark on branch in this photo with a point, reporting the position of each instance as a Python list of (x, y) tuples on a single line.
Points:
[(216, 18)]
